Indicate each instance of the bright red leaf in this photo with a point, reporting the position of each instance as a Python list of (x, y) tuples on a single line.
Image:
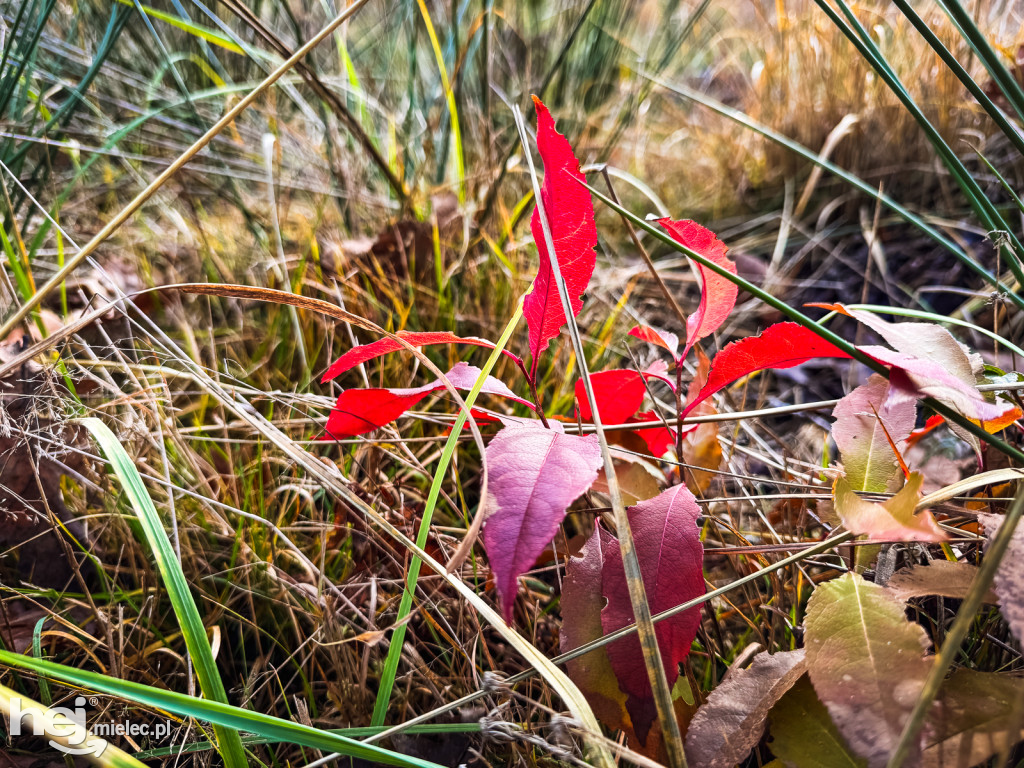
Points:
[(783, 345), (365, 352), (718, 293), (535, 474), (570, 214), (358, 411), (619, 393), (664, 339), (658, 440), (671, 561)]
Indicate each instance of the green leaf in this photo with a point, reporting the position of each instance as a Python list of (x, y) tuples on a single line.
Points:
[(866, 662), (803, 734)]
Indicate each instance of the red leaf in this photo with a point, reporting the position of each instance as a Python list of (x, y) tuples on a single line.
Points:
[(664, 339), (570, 214), (618, 394), (782, 345), (535, 474), (365, 352), (671, 562), (658, 440), (718, 294), (358, 411)]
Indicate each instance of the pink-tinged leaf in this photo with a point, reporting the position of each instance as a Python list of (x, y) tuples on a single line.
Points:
[(671, 562), (731, 722), (783, 345), (862, 419), (718, 293), (867, 663), (358, 411), (366, 352), (1009, 581), (581, 603), (535, 474), (570, 214), (664, 339), (915, 378), (892, 520), (925, 340)]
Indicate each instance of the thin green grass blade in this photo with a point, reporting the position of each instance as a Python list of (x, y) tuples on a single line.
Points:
[(196, 30), (192, 629), (1008, 84), (934, 318), (449, 94), (853, 180), (987, 212), (224, 716), (387, 678), (1003, 182), (1012, 133), (440, 729)]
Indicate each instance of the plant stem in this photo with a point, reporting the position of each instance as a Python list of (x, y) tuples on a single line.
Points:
[(671, 735)]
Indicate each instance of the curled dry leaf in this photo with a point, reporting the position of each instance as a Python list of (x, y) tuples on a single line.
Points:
[(732, 720), (671, 563), (358, 411), (863, 418), (867, 663), (570, 213), (939, 577), (1009, 581), (535, 474), (367, 352), (891, 520)]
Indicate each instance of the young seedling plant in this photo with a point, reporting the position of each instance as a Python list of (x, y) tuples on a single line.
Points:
[(864, 688)]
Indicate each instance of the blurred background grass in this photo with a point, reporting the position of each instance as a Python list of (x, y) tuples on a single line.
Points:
[(364, 180)]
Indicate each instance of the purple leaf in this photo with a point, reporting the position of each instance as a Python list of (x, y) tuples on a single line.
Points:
[(671, 563), (535, 474)]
